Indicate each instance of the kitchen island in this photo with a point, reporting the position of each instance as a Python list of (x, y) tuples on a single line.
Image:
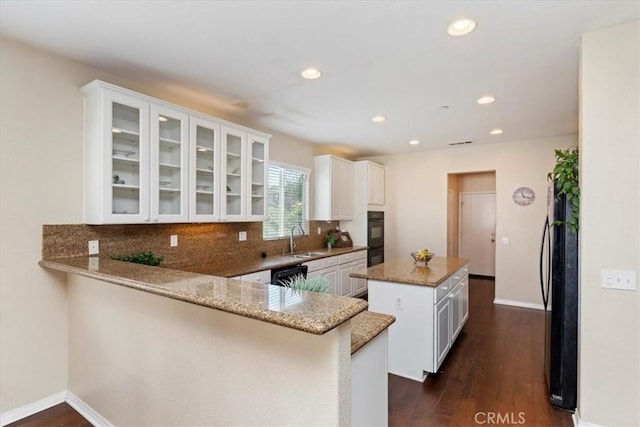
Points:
[(158, 346), (430, 304)]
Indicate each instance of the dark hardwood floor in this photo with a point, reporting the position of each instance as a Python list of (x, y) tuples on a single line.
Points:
[(61, 415), (492, 375)]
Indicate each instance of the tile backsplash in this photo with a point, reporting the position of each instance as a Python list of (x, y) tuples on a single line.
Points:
[(197, 243)]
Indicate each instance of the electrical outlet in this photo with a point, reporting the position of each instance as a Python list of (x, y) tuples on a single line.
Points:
[(94, 247), (173, 240), (398, 303), (242, 236), (504, 240), (319, 230)]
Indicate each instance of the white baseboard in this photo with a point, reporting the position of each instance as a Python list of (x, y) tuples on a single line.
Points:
[(518, 304), (577, 422), (87, 411), (32, 408), (64, 396)]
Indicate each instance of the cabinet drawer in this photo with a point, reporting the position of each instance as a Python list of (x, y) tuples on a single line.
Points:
[(352, 256), (443, 289), (257, 277), (318, 264)]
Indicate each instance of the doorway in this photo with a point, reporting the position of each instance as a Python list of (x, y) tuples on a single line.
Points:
[(477, 234), (471, 219)]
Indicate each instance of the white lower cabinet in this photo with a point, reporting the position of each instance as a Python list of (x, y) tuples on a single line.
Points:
[(351, 263), (442, 323), (263, 277), (330, 275), (428, 320)]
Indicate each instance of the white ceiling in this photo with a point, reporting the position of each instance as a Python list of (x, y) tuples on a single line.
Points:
[(386, 57)]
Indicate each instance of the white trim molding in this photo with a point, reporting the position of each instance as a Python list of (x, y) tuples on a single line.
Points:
[(43, 404), (87, 411), (518, 304), (577, 422), (32, 408)]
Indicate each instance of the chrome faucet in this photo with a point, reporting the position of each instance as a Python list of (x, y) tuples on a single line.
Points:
[(292, 245)]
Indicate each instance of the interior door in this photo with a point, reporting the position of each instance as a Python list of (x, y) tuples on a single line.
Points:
[(478, 232)]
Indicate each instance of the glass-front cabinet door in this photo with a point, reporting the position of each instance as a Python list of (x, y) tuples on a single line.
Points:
[(169, 164), (127, 127), (205, 170), (233, 174), (257, 170)]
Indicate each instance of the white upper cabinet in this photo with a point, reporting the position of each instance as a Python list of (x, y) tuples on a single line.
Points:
[(333, 188), (375, 183), (149, 161), (257, 172), (169, 165), (117, 157), (234, 174), (204, 151)]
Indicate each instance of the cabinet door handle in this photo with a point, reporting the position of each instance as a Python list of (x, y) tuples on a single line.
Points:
[(451, 296)]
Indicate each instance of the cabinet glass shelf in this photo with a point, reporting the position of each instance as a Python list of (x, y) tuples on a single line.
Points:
[(169, 166), (126, 186)]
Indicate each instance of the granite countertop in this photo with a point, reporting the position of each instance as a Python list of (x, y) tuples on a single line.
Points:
[(240, 267), (310, 312), (366, 326), (403, 270)]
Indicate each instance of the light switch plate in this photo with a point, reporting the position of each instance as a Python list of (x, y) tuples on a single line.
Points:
[(242, 236), (504, 240), (618, 279)]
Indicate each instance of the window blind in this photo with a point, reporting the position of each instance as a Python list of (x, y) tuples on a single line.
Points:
[(288, 200)]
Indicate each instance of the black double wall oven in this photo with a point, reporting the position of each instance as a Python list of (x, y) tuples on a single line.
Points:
[(375, 238)]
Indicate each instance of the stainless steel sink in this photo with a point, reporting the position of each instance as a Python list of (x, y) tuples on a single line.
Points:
[(307, 254)]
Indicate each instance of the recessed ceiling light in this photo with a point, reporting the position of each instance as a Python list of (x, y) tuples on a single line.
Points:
[(496, 132), (311, 74), (487, 99), (378, 119), (162, 118), (444, 107), (461, 27), (414, 142)]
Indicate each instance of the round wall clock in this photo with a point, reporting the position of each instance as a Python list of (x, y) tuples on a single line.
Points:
[(523, 196)]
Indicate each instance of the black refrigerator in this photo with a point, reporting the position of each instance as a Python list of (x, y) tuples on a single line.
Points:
[(559, 287)]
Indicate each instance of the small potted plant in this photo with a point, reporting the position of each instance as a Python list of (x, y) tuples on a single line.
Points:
[(330, 239), (300, 283)]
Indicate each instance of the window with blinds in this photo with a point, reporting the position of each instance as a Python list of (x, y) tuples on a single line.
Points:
[(288, 200)]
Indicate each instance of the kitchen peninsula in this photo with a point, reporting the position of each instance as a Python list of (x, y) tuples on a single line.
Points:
[(431, 305), (154, 346)]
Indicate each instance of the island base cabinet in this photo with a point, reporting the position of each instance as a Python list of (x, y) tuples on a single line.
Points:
[(411, 337), (428, 320), (369, 384)]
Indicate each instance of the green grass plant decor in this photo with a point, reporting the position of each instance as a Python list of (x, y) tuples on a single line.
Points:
[(313, 284), (146, 258)]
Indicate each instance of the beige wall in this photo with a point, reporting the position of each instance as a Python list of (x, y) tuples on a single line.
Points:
[(609, 362), (41, 115), (417, 213), (478, 181)]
